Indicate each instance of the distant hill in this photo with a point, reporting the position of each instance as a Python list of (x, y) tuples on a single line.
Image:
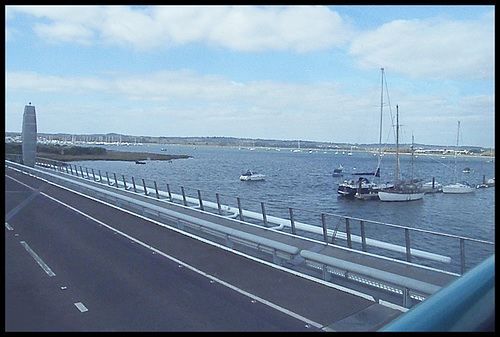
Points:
[(231, 141)]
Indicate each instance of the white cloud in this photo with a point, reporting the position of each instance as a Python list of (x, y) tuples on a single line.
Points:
[(432, 48), (187, 103), (240, 28)]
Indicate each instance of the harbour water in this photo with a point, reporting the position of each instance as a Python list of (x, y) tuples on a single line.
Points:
[(303, 180)]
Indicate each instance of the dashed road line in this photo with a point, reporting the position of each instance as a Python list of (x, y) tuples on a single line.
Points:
[(37, 258), (80, 306)]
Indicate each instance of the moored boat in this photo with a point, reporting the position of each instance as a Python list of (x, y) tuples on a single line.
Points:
[(338, 171), (252, 176), (458, 187), (401, 191), (432, 187)]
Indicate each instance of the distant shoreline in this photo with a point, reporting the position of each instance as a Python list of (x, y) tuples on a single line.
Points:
[(79, 153), (112, 156)]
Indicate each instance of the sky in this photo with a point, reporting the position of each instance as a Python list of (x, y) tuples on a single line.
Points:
[(268, 72)]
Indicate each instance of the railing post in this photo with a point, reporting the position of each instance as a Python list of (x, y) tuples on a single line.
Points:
[(408, 249), (87, 171), (348, 232), (219, 208), (133, 184), (200, 201), (156, 189), (169, 194), (462, 256), (363, 236), (93, 174), (107, 177), (239, 208), (184, 196), (116, 181), (76, 171), (323, 222), (406, 298), (144, 185), (292, 222), (100, 176), (264, 217), (81, 171), (124, 182)]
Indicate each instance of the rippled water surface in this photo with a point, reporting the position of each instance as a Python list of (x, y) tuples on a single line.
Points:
[(304, 180)]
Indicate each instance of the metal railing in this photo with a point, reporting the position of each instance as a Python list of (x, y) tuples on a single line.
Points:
[(394, 241), (183, 210)]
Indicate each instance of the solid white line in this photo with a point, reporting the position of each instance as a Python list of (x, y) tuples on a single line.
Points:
[(154, 250), (38, 259), (194, 269), (81, 307)]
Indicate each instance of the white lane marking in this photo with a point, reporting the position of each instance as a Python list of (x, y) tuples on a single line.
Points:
[(311, 278), (9, 227), (81, 306), (37, 258), (194, 269)]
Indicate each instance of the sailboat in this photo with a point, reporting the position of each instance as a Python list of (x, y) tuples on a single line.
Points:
[(298, 147), (461, 187), (362, 188), (401, 191)]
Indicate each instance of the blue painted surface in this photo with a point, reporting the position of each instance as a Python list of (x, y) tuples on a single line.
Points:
[(467, 304)]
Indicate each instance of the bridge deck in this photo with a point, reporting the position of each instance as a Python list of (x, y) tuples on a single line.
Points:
[(117, 271)]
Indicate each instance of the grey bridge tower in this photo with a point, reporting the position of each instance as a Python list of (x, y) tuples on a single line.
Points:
[(29, 135)]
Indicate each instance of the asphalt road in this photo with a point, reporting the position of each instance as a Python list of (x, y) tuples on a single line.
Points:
[(68, 271)]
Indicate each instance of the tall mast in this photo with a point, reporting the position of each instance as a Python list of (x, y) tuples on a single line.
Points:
[(456, 150), (380, 125), (397, 145), (381, 109)]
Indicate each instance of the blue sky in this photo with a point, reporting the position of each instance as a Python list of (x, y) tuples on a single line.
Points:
[(299, 72)]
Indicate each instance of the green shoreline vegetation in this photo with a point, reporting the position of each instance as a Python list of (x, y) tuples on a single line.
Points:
[(79, 153)]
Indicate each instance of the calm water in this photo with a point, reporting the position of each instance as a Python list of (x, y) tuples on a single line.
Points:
[(304, 181)]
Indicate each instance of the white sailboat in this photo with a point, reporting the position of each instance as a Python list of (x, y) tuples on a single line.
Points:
[(458, 187), (401, 191)]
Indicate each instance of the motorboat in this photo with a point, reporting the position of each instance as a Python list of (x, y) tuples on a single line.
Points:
[(486, 183), (252, 176), (349, 188), (338, 171), (140, 162), (362, 188)]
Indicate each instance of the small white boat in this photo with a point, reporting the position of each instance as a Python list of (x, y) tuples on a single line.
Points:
[(338, 171), (252, 176), (458, 188), (461, 187)]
